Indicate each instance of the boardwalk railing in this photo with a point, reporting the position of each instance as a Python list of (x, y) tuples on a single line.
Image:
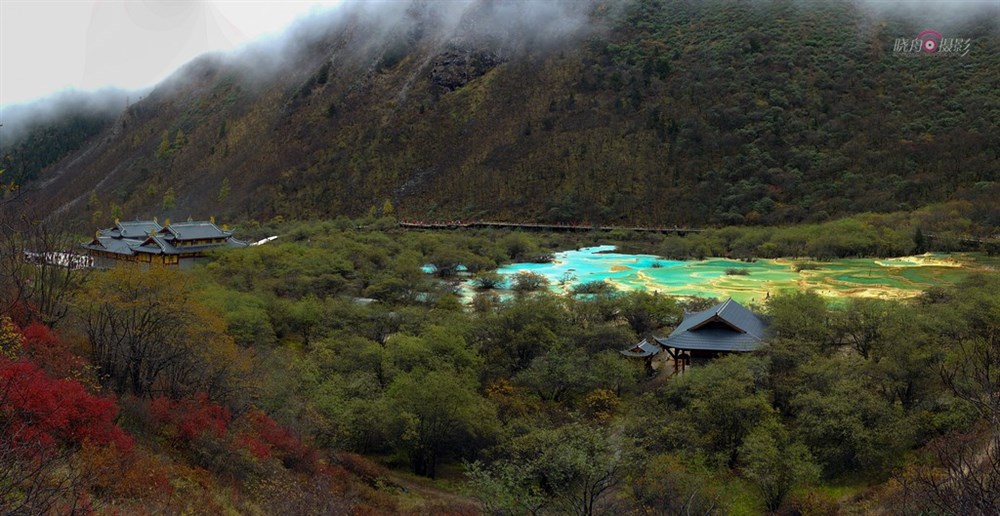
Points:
[(970, 240), (529, 226), (61, 259)]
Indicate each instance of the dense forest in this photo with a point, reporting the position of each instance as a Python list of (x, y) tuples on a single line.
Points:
[(649, 112), (327, 372)]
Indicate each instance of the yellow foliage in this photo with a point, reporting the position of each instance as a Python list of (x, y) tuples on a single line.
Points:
[(10, 338), (154, 313), (601, 404)]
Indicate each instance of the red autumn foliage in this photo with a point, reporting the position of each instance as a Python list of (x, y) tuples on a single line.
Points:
[(39, 409), (264, 437), (190, 417), (50, 352), (257, 447)]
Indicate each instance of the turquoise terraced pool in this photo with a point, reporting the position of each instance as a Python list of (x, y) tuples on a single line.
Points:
[(883, 278)]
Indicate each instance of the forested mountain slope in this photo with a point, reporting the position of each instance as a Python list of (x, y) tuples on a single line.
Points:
[(652, 112)]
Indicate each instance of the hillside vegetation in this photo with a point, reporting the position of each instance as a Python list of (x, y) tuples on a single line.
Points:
[(309, 375), (650, 112)]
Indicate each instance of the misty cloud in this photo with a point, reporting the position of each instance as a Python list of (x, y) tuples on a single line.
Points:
[(19, 119), (367, 26), (938, 13), (362, 27)]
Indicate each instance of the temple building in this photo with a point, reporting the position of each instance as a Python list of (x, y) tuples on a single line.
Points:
[(727, 327), (145, 241), (644, 350)]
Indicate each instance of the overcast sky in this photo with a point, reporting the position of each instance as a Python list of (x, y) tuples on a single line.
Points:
[(51, 45)]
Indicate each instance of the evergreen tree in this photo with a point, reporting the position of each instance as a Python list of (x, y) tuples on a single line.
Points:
[(224, 190), (164, 148), (919, 242), (169, 199)]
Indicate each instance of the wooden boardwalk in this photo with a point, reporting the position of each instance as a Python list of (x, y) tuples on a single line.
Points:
[(529, 226)]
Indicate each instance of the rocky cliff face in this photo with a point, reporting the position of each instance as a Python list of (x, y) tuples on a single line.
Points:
[(456, 66)]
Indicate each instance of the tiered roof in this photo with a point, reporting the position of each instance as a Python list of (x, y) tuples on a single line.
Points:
[(148, 237)]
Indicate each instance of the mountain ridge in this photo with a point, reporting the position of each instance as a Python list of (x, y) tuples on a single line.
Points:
[(653, 113)]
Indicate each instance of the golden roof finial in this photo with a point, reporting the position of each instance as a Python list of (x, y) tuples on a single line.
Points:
[(117, 221), (212, 219), (166, 221)]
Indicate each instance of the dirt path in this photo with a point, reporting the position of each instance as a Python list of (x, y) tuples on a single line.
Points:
[(430, 492)]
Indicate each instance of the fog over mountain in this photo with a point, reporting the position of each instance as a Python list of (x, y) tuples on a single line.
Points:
[(561, 111), (446, 20), (504, 22), (943, 11), (20, 119)]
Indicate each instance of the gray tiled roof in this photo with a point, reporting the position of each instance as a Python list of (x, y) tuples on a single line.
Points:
[(727, 326), (196, 230), (148, 237), (642, 349), (711, 339), (156, 244), (134, 228), (114, 245)]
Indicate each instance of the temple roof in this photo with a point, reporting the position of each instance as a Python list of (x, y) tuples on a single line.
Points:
[(195, 230), (132, 229), (148, 237), (727, 326), (642, 350), (110, 244)]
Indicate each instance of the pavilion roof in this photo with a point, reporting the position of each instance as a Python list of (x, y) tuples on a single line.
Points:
[(727, 326), (642, 350)]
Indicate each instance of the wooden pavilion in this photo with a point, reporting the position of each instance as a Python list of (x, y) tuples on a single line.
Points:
[(644, 351), (727, 327)]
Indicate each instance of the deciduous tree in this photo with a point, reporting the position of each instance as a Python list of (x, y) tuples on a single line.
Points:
[(148, 335), (437, 414), (775, 463)]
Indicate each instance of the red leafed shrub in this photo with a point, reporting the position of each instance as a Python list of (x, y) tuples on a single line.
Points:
[(37, 409), (264, 437), (257, 447), (47, 349), (136, 476), (190, 417)]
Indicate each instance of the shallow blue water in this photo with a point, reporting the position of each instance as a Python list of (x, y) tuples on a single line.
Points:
[(892, 278)]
